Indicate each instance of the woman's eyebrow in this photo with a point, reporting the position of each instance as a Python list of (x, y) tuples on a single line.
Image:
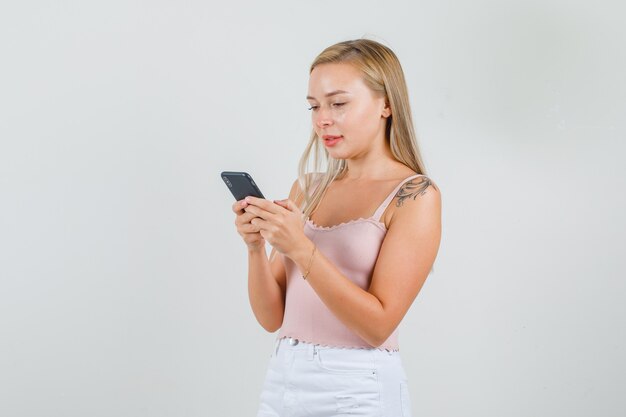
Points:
[(332, 93)]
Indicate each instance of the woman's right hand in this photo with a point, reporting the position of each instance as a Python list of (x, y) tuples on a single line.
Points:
[(250, 233)]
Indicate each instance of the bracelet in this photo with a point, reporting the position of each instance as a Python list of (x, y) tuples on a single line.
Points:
[(310, 262)]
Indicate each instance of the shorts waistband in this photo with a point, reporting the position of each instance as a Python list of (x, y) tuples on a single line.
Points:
[(292, 343)]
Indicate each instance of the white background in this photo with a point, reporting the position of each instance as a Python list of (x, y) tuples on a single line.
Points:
[(123, 282)]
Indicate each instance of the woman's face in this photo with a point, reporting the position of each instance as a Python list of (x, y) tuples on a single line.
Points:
[(346, 114)]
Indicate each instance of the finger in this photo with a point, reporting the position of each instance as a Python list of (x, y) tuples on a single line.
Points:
[(266, 205), (287, 204), (259, 212), (238, 206), (260, 223), (244, 218), (249, 228)]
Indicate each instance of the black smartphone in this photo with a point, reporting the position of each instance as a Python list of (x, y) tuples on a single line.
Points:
[(241, 184)]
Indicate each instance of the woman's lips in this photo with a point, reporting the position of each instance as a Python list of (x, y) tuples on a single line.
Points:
[(331, 140)]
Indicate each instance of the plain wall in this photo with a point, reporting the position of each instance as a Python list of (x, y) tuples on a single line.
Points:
[(123, 281)]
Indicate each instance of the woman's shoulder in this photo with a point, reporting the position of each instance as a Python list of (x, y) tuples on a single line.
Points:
[(310, 180), (422, 183), (419, 187), (418, 198)]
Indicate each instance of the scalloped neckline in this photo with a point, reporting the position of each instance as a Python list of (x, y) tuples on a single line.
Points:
[(371, 219)]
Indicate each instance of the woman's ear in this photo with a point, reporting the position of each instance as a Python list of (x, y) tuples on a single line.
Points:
[(387, 110)]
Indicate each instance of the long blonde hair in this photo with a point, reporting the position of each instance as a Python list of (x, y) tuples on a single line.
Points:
[(383, 74)]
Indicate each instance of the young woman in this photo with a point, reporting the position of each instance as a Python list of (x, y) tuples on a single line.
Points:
[(355, 241)]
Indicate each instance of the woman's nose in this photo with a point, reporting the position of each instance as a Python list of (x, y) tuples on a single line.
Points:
[(323, 118)]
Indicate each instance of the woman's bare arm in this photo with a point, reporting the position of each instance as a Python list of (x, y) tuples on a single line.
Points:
[(266, 289), (267, 283)]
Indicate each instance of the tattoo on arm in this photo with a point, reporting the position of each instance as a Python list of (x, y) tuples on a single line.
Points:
[(413, 189)]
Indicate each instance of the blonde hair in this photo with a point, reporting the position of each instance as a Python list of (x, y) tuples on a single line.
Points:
[(383, 74)]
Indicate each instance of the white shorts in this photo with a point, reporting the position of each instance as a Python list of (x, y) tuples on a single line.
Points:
[(304, 379)]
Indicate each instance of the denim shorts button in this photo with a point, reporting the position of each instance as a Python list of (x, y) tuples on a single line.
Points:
[(293, 341)]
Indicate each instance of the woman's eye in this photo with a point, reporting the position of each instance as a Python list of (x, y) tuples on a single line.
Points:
[(334, 104)]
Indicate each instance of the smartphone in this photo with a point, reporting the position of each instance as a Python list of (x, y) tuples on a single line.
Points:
[(241, 184)]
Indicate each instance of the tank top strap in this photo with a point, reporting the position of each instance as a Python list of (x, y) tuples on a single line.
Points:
[(381, 209)]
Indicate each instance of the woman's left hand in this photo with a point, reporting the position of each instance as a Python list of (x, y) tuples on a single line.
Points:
[(280, 223)]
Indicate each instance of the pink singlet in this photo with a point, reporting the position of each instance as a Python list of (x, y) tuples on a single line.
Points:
[(353, 248)]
